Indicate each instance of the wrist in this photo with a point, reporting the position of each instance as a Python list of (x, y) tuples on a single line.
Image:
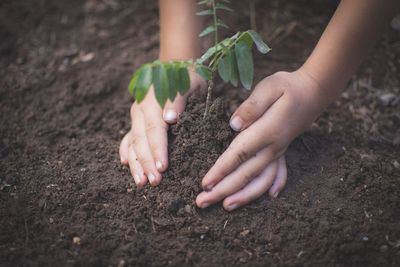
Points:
[(323, 90)]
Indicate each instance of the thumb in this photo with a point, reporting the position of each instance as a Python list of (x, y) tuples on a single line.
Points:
[(262, 97), (172, 110)]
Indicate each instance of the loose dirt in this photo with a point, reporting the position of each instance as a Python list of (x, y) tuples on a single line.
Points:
[(66, 200)]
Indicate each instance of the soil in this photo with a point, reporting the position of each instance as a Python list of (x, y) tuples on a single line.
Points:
[(66, 200)]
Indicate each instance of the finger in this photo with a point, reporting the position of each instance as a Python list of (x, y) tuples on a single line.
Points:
[(172, 110), (235, 180), (156, 131), (281, 178), (266, 131), (142, 148), (135, 167), (253, 190), (263, 96), (124, 148), (244, 146)]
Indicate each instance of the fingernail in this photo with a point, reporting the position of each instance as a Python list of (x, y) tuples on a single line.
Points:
[(170, 115), (276, 194), (233, 206), (236, 123), (205, 205), (152, 178), (158, 165), (137, 178), (122, 159), (208, 188)]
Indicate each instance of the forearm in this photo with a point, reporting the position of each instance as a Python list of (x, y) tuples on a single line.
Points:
[(179, 30), (352, 32)]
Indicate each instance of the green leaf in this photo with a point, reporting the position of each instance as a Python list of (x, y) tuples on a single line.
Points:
[(173, 81), (134, 80), (226, 1), (221, 23), (160, 82), (203, 72), (245, 37), (203, 2), (211, 51), (245, 63), (225, 69), (208, 30), (222, 6), (184, 81), (235, 71), (261, 46), (204, 13), (144, 82)]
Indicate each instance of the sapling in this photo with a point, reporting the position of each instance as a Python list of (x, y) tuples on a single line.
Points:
[(231, 58)]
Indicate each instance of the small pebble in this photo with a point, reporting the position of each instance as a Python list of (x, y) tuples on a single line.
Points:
[(76, 240), (83, 169), (188, 209), (386, 99), (365, 238), (202, 236), (51, 220), (396, 164)]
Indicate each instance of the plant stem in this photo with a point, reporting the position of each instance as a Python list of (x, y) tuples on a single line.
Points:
[(210, 82), (209, 89)]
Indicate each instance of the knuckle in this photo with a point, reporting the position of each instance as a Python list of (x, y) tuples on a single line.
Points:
[(241, 156), (135, 141), (146, 163), (246, 179)]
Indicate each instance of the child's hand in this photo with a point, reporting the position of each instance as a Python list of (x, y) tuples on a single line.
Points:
[(145, 146), (280, 108)]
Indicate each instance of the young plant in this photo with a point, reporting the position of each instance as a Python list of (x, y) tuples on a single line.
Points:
[(232, 58)]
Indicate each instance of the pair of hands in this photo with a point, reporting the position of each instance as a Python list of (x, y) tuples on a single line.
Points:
[(280, 108)]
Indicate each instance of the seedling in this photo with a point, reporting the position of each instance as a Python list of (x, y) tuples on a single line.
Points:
[(232, 58)]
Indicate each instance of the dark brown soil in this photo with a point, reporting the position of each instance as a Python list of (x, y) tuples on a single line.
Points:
[(65, 199)]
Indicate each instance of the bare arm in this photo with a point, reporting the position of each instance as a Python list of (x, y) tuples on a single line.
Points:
[(179, 30), (353, 30)]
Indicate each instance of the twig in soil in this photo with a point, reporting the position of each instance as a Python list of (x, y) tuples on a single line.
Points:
[(26, 232), (226, 223), (209, 89), (152, 224), (134, 228), (305, 144)]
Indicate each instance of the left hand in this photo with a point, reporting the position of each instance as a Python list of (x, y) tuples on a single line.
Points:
[(280, 108)]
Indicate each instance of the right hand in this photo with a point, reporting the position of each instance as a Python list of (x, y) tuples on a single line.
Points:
[(145, 146)]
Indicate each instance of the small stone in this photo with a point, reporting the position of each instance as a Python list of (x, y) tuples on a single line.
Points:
[(244, 233), (396, 164), (121, 263), (202, 236), (129, 190), (76, 240), (83, 169), (51, 220), (365, 238), (387, 98), (188, 209)]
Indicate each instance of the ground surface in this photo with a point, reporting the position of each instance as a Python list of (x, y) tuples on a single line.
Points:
[(64, 107)]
